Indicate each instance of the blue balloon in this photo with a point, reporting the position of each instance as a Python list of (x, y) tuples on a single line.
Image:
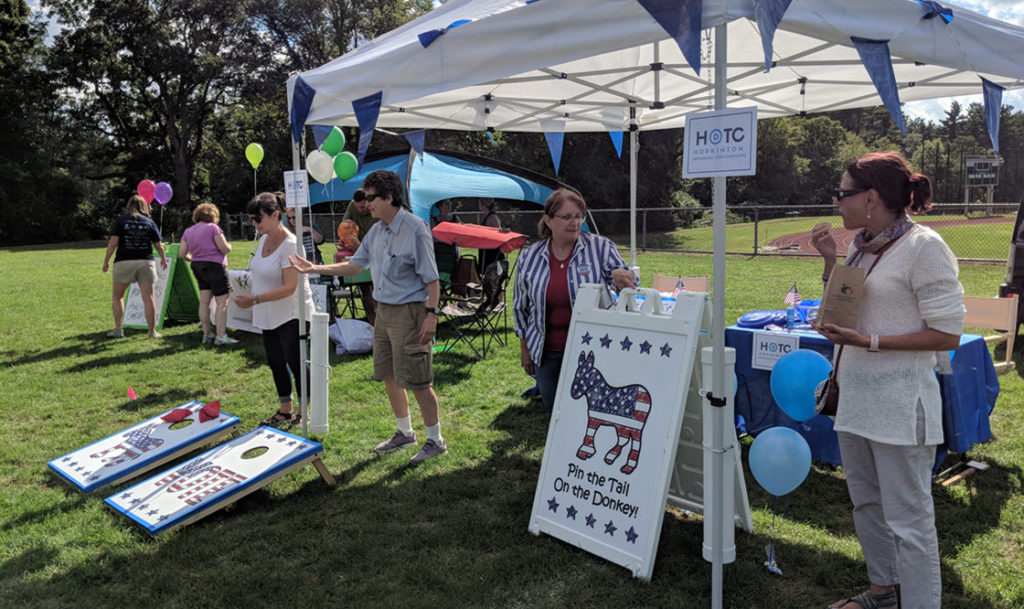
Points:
[(794, 379), (779, 460)]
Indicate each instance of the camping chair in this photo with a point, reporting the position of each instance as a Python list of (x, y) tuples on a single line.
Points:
[(666, 283), (454, 273), (485, 312), (998, 314)]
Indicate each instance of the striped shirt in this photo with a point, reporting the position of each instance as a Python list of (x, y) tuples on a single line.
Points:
[(593, 260)]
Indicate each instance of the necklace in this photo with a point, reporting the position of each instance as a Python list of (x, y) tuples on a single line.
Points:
[(561, 261)]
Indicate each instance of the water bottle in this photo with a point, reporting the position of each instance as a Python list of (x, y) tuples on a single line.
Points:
[(790, 318)]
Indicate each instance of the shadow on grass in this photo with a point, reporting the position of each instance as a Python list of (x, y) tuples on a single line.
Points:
[(457, 536)]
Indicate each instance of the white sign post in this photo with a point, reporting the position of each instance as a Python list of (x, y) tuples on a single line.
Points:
[(720, 143)]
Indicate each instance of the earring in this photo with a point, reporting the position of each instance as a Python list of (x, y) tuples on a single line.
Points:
[(869, 214)]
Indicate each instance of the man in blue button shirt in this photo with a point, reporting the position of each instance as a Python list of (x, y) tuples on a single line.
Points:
[(399, 252)]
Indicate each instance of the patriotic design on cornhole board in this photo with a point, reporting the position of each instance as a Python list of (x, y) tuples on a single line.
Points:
[(145, 446), (612, 441), (222, 475)]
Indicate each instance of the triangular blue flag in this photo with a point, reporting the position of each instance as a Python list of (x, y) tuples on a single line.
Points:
[(993, 95), (936, 10), (302, 101), (555, 140), (415, 139), (874, 54), (320, 133), (616, 141), (768, 14), (367, 109), (681, 20)]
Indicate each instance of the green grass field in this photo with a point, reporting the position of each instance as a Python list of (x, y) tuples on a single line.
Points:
[(976, 242), (449, 533)]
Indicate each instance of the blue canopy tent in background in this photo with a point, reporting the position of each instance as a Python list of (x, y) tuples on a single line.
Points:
[(439, 174)]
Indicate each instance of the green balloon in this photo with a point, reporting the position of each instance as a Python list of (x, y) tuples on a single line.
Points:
[(254, 153), (346, 165), (335, 142)]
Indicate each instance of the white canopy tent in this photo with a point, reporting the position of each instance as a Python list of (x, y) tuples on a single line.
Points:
[(609, 65)]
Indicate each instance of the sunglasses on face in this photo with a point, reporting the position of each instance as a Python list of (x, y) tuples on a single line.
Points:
[(370, 198), (839, 194), (256, 219), (571, 217)]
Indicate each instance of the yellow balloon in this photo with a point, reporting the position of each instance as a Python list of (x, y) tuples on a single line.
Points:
[(254, 152)]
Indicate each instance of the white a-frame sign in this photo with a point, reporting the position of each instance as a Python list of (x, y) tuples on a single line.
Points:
[(611, 446)]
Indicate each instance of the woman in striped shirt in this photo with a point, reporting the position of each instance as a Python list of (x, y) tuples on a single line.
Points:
[(550, 272)]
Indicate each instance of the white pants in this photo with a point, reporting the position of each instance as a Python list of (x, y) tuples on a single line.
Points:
[(891, 489)]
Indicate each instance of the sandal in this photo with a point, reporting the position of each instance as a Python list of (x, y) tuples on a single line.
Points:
[(866, 600), (279, 418)]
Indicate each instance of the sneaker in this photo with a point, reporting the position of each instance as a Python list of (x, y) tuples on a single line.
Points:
[(208, 338), (225, 340), (116, 333), (430, 450), (155, 334), (399, 440)]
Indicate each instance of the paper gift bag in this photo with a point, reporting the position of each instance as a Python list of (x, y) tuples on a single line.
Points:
[(841, 303)]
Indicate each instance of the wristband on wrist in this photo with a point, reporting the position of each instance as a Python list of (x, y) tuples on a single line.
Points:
[(824, 278), (873, 346), (255, 299)]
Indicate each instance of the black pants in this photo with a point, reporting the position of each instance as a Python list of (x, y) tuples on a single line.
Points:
[(281, 345)]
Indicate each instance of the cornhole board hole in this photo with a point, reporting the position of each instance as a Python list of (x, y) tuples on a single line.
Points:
[(222, 475), (140, 448)]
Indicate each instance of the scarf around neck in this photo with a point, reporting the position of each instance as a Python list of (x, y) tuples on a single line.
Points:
[(866, 244)]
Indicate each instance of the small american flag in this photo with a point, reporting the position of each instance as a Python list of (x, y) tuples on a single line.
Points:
[(792, 296)]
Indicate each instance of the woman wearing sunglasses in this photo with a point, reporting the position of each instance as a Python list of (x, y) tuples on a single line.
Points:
[(889, 418), (550, 273), (275, 300)]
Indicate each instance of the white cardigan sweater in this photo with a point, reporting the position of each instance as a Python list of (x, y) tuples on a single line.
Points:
[(914, 286)]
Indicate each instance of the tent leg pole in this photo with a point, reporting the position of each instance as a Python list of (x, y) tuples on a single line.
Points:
[(634, 142), (721, 547)]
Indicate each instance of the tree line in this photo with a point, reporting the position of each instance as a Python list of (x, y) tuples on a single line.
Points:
[(174, 90)]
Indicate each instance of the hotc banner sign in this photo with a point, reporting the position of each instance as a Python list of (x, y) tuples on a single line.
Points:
[(720, 143)]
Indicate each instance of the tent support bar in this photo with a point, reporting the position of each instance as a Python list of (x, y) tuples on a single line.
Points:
[(720, 548), (634, 142)]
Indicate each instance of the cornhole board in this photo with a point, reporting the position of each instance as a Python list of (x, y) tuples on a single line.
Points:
[(140, 448), (175, 293), (222, 475), (615, 429)]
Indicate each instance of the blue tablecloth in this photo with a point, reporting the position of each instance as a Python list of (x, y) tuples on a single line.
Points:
[(968, 396)]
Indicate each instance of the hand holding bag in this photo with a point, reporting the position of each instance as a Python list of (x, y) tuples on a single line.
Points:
[(826, 394)]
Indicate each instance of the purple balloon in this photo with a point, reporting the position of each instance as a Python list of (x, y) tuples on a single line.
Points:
[(163, 193)]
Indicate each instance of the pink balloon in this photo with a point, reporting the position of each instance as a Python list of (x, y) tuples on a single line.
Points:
[(163, 193), (145, 190)]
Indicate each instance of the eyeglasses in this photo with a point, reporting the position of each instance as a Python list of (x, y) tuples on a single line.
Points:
[(256, 219), (571, 217), (841, 194), (370, 198)]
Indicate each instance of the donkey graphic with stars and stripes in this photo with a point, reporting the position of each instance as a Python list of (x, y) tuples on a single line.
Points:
[(134, 444), (624, 408)]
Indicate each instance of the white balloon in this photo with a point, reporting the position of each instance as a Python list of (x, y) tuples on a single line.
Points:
[(320, 166)]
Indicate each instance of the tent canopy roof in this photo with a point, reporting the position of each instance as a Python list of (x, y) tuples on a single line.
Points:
[(580, 65)]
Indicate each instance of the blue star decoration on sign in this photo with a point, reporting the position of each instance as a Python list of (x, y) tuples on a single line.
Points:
[(626, 344), (665, 349), (591, 520), (606, 342), (571, 512), (610, 528), (553, 505), (645, 347), (631, 535), (587, 338)]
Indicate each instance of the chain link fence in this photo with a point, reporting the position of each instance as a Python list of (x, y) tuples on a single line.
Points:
[(979, 232)]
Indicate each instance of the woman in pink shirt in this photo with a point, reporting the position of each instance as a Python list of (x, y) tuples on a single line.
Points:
[(204, 245)]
